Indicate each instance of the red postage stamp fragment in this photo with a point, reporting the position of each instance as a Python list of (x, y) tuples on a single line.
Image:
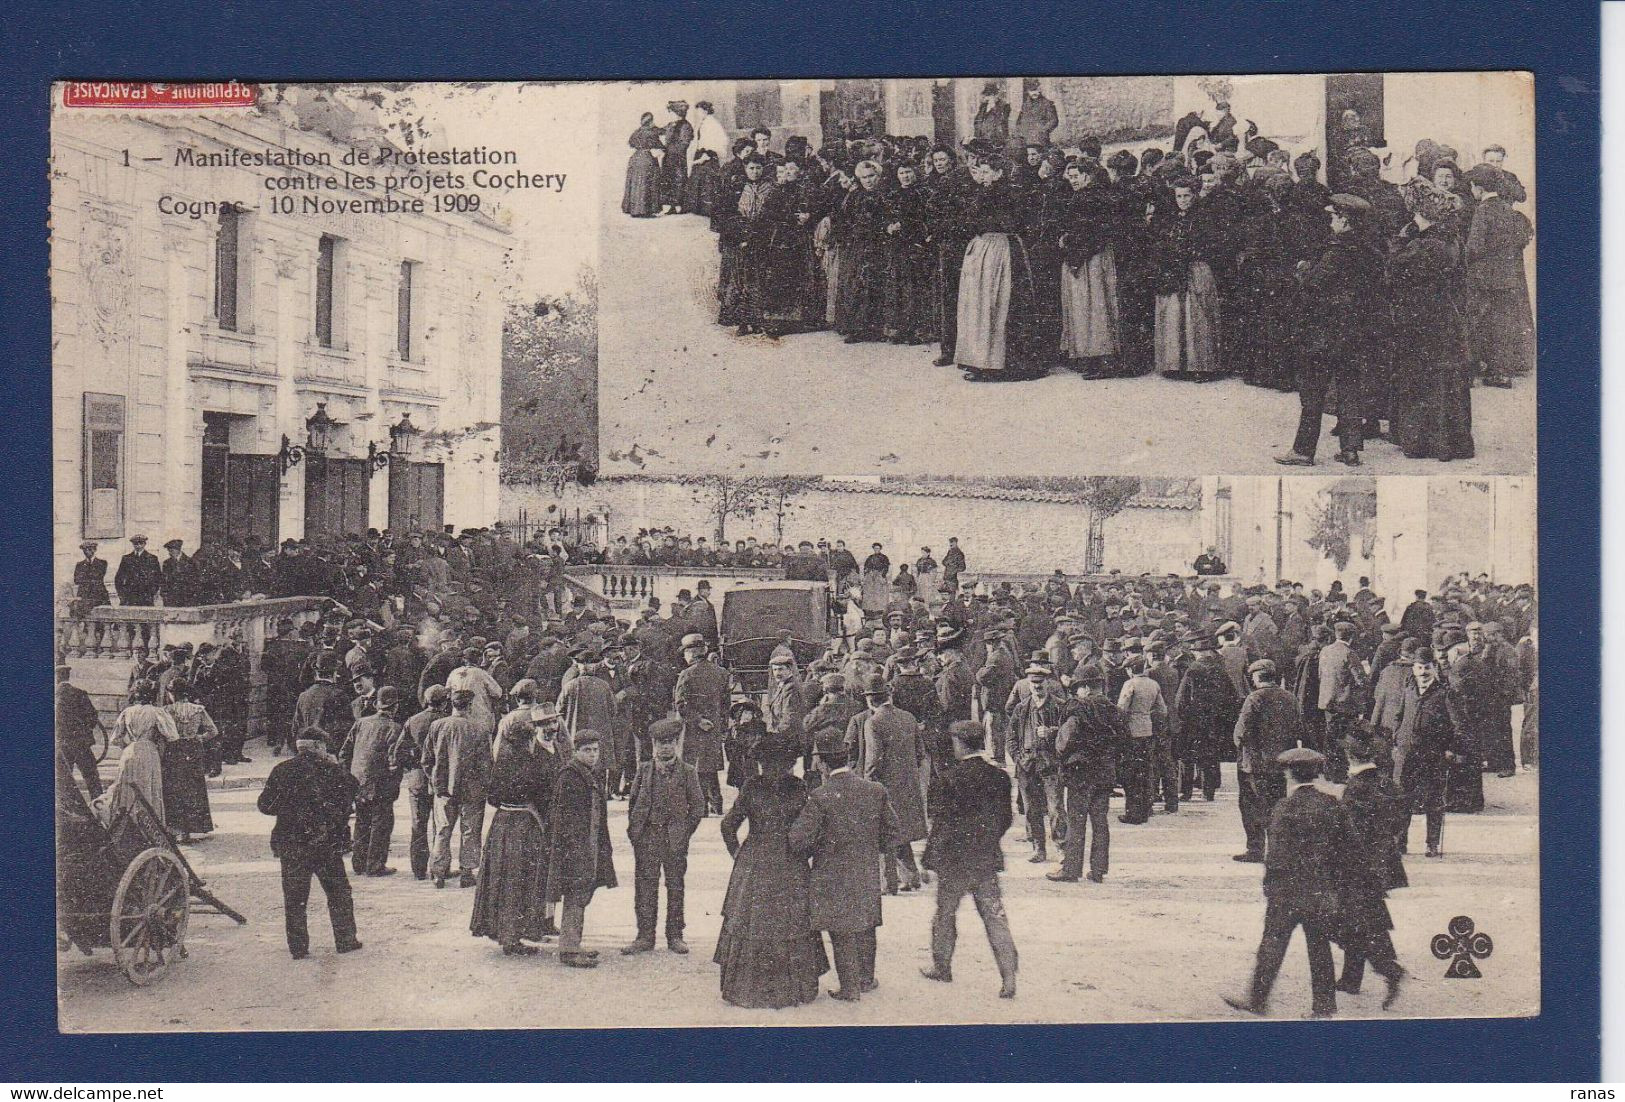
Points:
[(127, 94)]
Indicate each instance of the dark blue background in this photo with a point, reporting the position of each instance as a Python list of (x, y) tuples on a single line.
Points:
[(422, 40)]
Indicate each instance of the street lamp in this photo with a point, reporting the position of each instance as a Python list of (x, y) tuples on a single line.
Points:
[(402, 435), (318, 429)]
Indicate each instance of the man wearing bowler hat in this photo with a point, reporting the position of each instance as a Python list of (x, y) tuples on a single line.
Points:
[(1207, 705), (666, 809), (1309, 845)]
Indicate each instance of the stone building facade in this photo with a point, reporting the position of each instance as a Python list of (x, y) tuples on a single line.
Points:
[(199, 328)]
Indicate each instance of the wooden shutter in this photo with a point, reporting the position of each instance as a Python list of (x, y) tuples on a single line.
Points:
[(225, 269), (403, 312), (102, 460), (324, 290)]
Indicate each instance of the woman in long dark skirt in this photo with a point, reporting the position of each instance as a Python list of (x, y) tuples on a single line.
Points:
[(510, 903), (794, 286), (910, 313), (677, 136), (770, 956), (641, 199), (860, 293), (704, 183), (186, 787), (1432, 412), (746, 234)]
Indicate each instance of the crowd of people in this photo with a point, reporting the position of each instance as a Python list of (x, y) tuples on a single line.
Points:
[(1222, 256), (511, 720)]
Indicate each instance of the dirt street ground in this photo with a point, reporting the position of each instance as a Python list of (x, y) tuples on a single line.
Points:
[(1175, 923)]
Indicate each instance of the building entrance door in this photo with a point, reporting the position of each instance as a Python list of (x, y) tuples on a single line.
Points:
[(336, 498), (416, 496), (239, 491)]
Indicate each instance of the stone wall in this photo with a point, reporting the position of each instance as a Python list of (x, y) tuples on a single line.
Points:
[(1004, 535)]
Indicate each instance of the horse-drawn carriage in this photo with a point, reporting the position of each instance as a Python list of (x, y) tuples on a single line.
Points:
[(124, 885)]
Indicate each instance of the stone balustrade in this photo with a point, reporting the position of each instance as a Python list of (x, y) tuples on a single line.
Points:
[(627, 587), (104, 644)]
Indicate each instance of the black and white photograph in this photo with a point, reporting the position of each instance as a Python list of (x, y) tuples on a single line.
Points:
[(1069, 275), (494, 593)]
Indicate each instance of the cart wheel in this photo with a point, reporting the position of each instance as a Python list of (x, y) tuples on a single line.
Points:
[(150, 910)]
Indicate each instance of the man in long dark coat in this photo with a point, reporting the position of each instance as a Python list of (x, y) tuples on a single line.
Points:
[(1342, 291), (90, 576), (1309, 846), (1208, 705), (139, 575), (580, 859), (1377, 813), (845, 825), (701, 700), (892, 756), (970, 808)]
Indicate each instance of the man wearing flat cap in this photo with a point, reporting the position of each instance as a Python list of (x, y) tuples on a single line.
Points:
[(139, 574), (784, 708), (701, 701), (368, 754), (459, 757), (1035, 720), (90, 577), (580, 856), (666, 809), (1309, 845), (1342, 292), (177, 577), (311, 796), (1269, 725)]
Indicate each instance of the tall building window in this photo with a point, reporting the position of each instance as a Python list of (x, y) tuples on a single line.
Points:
[(226, 241), (326, 257), (103, 460), (403, 311)]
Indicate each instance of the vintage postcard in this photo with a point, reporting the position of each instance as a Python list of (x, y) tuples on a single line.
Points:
[(1052, 549)]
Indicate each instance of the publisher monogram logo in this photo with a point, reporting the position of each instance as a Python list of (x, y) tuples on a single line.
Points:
[(1460, 945)]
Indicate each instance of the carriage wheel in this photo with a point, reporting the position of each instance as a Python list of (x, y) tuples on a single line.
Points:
[(150, 910)]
